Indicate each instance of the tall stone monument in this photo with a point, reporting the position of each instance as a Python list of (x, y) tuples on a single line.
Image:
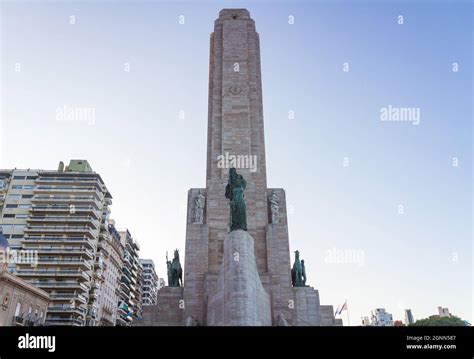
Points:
[(243, 276)]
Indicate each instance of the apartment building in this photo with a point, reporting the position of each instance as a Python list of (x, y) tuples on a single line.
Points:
[(150, 284), (381, 318), (161, 283), (409, 317), (112, 251), (22, 304), (129, 304), (59, 217), (138, 310)]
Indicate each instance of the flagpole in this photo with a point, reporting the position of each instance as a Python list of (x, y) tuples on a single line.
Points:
[(347, 312)]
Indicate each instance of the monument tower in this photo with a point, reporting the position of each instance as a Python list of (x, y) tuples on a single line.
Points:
[(240, 277)]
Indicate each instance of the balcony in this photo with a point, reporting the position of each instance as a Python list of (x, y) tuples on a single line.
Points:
[(61, 229), (130, 249), (122, 312), (125, 287), (126, 279), (98, 275), (17, 321), (62, 250), (42, 189), (69, 180), (59, 240), (103, 247), (59, 284), (126, 260), (76, 200), (64, 321), (127, 271), (65, 308), (66, 209), (95, 285), (77, 262), (92, 312), (67, 297), (65, 219), (67, 273)]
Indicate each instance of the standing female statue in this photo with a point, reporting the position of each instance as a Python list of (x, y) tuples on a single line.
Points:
[(235, 192)]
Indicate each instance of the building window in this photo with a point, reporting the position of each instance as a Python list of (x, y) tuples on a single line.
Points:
[(18, 186), (17, 309)]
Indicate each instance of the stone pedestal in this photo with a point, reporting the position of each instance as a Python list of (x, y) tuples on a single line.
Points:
[(168, 312), (307, 306), (239, 298), (327, 317)]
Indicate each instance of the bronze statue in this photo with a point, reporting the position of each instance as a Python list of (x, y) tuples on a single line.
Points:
[(297, 272), (235, 192), (168, 267), (175, 273), (303, 273)]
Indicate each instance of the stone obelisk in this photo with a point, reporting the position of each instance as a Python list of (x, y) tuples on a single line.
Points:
[(235, 128), (256, 289)]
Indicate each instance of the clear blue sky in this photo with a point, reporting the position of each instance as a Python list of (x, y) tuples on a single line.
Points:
[(149, 156)]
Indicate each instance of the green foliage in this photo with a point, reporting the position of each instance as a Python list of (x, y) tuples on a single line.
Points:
[(442, 322)]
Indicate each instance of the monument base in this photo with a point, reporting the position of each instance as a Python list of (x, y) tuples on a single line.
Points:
[(307, 306), (168, 312), (239, 298)]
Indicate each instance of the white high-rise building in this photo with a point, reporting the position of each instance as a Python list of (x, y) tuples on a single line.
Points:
[(59, 215), (150, 284), (112, 252), (129, 298), (409, 317), (380, 318), (161, 283), (443, 312)]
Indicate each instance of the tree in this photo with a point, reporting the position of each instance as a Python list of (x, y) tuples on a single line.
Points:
[(441, 322)]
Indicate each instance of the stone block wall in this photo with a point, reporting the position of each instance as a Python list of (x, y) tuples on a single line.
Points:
[(239, 298), (168, 311)]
